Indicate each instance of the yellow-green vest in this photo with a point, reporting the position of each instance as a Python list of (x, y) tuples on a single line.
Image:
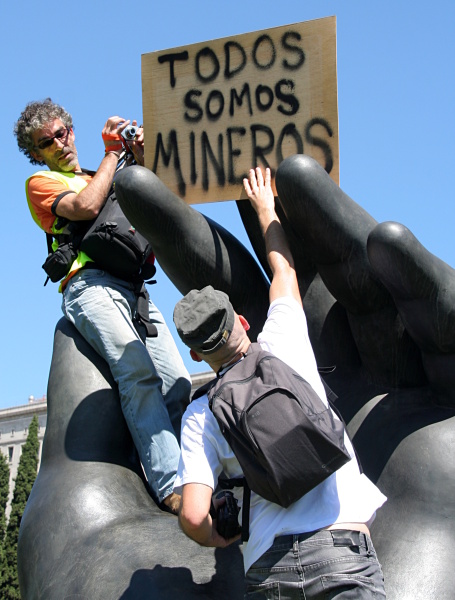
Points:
[(75, 184)]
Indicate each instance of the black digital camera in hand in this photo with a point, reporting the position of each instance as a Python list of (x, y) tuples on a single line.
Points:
[(227, 523)]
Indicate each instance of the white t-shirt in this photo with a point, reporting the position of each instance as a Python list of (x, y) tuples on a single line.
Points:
[(347, 496)]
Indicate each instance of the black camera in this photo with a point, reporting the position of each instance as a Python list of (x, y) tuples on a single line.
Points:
[(129, 133), (227, 523)]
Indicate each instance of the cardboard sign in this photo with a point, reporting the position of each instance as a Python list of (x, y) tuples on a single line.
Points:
[(215, 109)]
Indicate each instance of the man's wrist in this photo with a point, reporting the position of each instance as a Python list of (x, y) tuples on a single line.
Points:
[(266, 209), (267, 216), (115, 152)]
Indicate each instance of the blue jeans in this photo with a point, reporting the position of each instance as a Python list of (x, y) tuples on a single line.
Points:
[(321, 565), (153, 383)]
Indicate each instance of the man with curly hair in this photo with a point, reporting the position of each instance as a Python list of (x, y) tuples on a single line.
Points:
[(153, 383)]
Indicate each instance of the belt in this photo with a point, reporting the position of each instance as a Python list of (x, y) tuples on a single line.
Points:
[(339, 537)]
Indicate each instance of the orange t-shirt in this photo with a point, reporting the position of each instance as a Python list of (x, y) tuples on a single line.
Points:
[(44, 194)]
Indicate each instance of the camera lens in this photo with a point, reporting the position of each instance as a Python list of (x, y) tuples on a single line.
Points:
[(129, 133)]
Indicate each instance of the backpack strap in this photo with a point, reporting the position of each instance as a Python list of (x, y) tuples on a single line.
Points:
[(203, 389), (331, 399), (246, 511), (340, 416)]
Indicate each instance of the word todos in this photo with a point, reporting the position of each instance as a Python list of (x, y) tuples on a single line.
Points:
[(242, 106)]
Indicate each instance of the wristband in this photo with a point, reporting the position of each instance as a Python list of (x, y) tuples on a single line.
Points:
[(114, 148), (110, 137)]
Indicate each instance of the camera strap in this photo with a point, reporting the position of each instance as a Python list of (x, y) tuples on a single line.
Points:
[(49, 240), (141, 316)]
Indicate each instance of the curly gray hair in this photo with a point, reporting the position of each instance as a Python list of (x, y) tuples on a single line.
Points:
[(35, 116)]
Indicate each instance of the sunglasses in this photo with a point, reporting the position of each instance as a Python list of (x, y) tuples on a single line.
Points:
[(59, 135)]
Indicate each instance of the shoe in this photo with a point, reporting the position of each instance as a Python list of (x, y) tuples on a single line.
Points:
[(171, 503)]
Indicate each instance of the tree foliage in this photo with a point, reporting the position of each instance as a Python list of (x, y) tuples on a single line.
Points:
[(4, 490), (26, 475)]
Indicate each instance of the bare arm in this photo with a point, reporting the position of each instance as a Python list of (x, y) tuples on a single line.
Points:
[(260, 194), (87, 204), (195, 519)]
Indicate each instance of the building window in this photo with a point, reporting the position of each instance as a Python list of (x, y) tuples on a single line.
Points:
[(12, 432), (10, 453)]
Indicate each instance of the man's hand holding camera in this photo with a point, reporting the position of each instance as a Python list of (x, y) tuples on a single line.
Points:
[(225, 526), (227, 516), (196, 518), (118, 133), (134, 136)]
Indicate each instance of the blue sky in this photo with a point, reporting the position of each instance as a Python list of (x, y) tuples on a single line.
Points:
[(396, 99)]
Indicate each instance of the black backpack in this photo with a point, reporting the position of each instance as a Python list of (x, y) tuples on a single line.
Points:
[(116, 246), (285, 438)]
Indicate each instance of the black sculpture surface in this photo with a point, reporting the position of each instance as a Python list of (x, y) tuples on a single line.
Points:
[(379, 307), (90, 530)]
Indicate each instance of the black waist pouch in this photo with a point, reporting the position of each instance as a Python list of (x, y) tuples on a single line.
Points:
[(58, 263)]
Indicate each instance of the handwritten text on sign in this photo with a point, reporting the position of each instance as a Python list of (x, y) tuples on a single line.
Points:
[(215, 109)]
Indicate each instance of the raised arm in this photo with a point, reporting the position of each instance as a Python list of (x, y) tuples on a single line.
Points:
[(260, 194), (87, 204)]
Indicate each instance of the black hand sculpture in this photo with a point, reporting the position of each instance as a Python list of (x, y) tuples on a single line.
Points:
[(379, 307), (400, 400)]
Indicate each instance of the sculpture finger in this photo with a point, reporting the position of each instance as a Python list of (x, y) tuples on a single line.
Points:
[(423, 289), (192, 249), (328, 326), (335, 231)]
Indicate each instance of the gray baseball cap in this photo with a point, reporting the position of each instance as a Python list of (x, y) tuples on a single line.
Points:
[(204, 319)]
